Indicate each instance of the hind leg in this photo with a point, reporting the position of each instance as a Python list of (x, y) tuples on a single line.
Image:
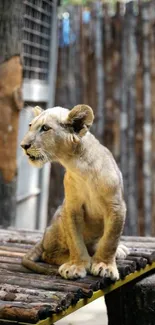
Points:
[(57, 258), (55, 250)]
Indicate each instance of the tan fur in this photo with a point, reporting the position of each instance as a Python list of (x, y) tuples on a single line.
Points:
[(85, 231)]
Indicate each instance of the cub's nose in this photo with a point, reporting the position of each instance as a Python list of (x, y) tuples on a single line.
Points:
[(25, 146)]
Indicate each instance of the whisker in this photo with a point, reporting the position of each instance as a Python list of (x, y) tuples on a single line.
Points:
[(51, 155)]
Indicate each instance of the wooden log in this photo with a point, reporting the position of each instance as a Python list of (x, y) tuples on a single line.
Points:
[(11, 254), (8, 288), (16, 293), (129, 263), (28, 298), (29, 282), (149, 257), (10, 260), (17, 237), (14, 267), (150, 245), (140, 261), (88, 283), (15, 264), (141, 250), (124, 270), (22, 240), (91, 283), (27, 312), (138, 239), (24, 230), (15, 245), (13, 249), (20, 231), (94, 282), (56, 282)]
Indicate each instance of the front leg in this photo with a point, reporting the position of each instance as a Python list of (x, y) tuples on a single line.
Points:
[(79, 262), (104, 260)]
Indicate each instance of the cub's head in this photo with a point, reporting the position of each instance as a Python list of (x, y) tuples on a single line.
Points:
[(55, 133)]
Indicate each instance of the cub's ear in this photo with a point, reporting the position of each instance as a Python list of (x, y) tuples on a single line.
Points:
[(37, 110), (80, 119)]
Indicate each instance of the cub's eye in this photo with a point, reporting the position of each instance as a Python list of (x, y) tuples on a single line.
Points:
[(30, 125), (45, 127)]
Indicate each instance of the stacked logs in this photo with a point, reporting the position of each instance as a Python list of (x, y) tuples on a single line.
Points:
[(27, 297)]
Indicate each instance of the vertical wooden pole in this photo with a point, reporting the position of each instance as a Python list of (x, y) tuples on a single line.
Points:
[(153, 115), (139, 128), (131, 107), (99, 40), (124, 115), (117, 35)]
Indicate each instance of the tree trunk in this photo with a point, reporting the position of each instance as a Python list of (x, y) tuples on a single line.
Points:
[(147, 129), (124, 115), (10, 104), (98, 20), (131, 107)]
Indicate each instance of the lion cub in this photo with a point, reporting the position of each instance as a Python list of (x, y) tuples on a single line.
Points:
[(86, 229)]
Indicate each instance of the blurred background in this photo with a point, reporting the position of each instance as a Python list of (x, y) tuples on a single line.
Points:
[(66, 52)]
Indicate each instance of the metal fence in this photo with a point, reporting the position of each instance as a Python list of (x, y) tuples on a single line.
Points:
[(107, 60), (40, 61), (36, 39)]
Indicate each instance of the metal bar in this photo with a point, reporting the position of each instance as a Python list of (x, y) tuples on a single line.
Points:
[(36, 57), (35, 32), (39, 46), (50, 3), (24, 197), (37, 8), (37, 21)]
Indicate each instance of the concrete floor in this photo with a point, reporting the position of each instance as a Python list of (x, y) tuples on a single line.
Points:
[(93, 313)]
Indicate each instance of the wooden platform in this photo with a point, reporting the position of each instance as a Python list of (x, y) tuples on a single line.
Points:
[(29, 298)]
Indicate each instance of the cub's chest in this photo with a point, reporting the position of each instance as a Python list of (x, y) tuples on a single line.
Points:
[(88, 193), (93, 204)]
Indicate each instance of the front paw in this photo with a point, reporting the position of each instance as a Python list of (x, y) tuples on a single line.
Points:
[(74, 270), (105, 270)]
